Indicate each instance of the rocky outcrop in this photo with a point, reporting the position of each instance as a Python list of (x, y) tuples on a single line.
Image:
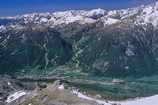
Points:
[(51, 94)]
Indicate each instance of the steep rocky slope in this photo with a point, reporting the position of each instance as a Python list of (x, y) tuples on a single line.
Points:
[(116, 43)]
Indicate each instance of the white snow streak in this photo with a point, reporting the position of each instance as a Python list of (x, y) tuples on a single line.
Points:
[(15, 96)]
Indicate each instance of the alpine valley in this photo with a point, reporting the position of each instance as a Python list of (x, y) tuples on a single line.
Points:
[(110, 53)]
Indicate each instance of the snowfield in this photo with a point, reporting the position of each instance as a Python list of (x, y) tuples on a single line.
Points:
[(153, 100), (141, 15)]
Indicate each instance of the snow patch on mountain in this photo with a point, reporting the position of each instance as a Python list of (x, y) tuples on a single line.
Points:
[(2, 28), (144, 101), (96, 12), (78, 19), (108, 21), (43, 20), (15, 96)]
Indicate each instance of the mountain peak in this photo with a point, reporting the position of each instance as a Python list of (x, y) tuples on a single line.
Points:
[(96, 12), (149, 15)]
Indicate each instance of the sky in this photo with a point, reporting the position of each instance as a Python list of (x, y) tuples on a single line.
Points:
[(17, 7)]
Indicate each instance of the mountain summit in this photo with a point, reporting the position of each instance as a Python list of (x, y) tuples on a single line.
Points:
[(140, 15)]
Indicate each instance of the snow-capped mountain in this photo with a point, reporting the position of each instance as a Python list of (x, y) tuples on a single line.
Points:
[(140, 15), (78, 44), (66, 17), (98, 40)]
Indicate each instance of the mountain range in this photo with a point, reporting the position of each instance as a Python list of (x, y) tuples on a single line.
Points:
[(115, 43)]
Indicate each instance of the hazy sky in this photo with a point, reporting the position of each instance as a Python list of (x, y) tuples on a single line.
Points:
[(15, 7)]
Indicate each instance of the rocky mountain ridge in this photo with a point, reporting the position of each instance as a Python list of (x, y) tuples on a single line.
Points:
[(140, 15)]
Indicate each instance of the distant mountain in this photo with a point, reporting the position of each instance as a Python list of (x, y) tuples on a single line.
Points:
[(140, 15), (98, 42)]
